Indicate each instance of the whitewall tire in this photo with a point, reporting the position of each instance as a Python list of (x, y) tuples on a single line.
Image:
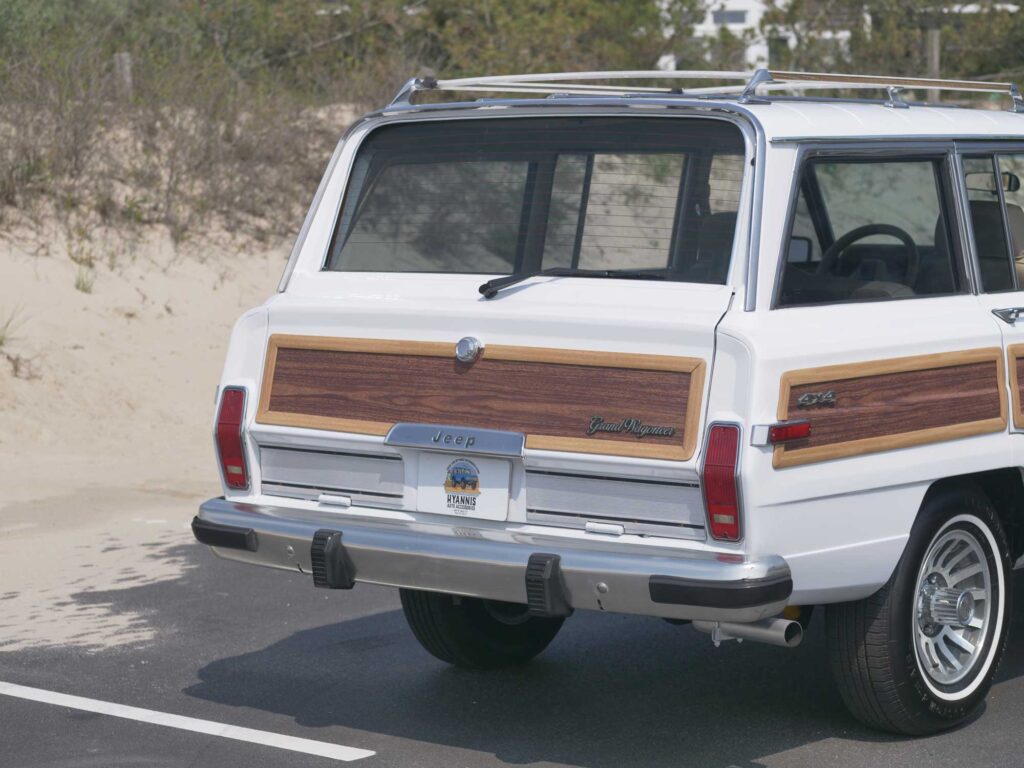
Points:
[(919, 655)]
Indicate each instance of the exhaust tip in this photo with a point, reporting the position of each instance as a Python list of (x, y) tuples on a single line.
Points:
[(793, 634)]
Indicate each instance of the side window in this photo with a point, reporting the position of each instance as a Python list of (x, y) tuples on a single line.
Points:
[(877, 230), (988, 224)]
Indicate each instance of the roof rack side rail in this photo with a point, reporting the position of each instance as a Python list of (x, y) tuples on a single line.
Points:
[(749, 93), (411, 86), (750, 87)]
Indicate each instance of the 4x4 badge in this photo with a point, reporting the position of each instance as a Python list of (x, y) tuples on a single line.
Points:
[(816, 399)]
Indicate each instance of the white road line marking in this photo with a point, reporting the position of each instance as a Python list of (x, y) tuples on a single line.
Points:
[(292, 743)]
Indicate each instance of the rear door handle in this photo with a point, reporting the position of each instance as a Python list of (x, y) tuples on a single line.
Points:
[(1009, 315)]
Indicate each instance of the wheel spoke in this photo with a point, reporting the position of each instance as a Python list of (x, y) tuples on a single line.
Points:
[(978, 594), (929, 652), (956, 557), (941, 553), (966, 573), (946, 653), (975, 623), (962, 642)]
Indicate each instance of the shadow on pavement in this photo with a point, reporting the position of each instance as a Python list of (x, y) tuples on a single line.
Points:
[(611, 691)]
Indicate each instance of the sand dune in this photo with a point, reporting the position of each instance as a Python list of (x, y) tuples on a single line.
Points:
[(106, 404)]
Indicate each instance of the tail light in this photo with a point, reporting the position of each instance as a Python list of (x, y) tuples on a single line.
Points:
[(787, 431), (230, 448), (721, 496)]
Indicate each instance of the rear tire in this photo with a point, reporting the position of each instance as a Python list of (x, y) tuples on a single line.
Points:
[(919, 655), (476, 634)]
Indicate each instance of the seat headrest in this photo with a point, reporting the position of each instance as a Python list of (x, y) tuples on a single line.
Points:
[(719, 226), (987, 217), (1015, 221)]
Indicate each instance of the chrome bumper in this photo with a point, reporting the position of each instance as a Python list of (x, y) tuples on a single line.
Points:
[(458, 558)]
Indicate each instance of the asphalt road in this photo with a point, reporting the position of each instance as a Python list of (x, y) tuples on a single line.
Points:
[(264, 650)]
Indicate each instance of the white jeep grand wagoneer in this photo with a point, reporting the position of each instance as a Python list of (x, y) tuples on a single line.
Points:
[(715, 355)]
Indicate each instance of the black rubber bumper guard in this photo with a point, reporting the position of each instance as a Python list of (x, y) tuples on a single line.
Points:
[(226, 536), (672, 590)]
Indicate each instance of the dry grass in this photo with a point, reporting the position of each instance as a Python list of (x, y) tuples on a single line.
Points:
[(9, 325)]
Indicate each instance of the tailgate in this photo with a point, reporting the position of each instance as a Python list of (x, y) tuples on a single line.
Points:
[(605, 379)]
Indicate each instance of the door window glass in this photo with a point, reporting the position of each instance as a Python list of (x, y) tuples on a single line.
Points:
[(878, 230)]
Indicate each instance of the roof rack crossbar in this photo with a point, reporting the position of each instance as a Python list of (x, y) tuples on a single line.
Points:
[(750, 86)]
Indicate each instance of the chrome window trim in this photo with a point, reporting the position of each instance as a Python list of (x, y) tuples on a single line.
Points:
[(995, 149), (965, 226), (307, 222), (751, 195), (942, 150), (943, 138)]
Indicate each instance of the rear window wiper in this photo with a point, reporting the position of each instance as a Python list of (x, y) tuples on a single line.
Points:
[(491, 287)]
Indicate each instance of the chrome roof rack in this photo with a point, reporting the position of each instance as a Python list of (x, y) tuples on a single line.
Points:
[(749, 87)]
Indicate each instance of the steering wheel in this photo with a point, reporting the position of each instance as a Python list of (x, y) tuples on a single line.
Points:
[(831, 258)]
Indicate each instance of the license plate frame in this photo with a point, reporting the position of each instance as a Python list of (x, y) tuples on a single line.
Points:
[(463, 485)]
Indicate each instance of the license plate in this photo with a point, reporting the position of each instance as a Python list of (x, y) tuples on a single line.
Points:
[(449, 484)]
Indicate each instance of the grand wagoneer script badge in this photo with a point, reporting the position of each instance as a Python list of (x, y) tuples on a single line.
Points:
[(462, 486), (629, 426)]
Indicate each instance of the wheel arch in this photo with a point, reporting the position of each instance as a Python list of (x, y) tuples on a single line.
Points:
[(1004, 487)]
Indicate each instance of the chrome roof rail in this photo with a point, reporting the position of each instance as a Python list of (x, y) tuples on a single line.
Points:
[(750, 87)]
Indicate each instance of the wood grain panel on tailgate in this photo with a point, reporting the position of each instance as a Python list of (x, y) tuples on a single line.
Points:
[(887, 404), (552, 395)]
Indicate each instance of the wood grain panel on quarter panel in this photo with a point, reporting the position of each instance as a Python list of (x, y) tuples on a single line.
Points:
[(883, 405), (1016, 355), (550, 395)]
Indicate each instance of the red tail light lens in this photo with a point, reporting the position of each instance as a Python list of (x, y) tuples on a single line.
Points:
[(785, 431), (230, 448), (721, 498)]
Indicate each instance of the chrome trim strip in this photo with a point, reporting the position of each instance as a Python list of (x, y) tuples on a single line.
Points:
[(611, 478), (326, 452), (628, 527), (754, 237), (449, 439), (329, 488), (472, 558), (612, 518)]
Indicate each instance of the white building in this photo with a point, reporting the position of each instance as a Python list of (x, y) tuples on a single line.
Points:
[(741, 17)]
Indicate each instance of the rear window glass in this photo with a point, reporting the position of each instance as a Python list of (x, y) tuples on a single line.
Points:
[(500, 196)]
